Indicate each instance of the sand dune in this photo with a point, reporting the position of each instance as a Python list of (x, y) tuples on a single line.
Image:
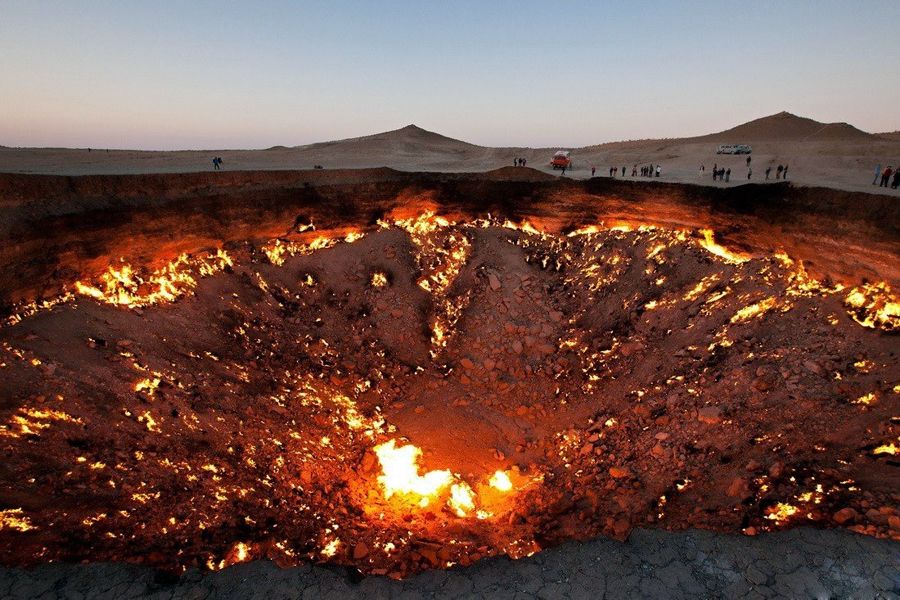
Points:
[(835, 155)]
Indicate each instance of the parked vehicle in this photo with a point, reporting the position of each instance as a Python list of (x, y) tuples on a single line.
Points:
[(734, 149), (561, 160)]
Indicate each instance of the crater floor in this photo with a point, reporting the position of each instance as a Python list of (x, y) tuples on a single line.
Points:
[(430, 393)]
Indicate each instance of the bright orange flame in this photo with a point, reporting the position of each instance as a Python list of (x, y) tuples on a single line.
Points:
[(401, 473), (462, 499), (500, 481), (722, 252)]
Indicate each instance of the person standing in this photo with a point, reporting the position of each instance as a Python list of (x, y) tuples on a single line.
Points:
[(896, 182), (593, 170), (658, 170), (216, 163), (749, 173), (634, 171), (524, 161), (784, 175), (727, 175), (748, 161), (877, 175), (624, 172), (564, 170), (768, 170), (778, 172), (886, 176)]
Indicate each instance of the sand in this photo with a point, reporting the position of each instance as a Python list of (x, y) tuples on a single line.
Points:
[(833, 155)]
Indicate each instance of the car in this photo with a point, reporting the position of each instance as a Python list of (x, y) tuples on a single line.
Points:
[(734, 149), (561, 160)]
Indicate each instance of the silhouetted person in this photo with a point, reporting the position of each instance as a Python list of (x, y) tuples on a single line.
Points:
[(624, 172), (768, 170), (877, 175), (727, 175), (749, 174), (564, 169), (784, 175), (634, 171), (593, 170), (778, 172), (896, 182), (748, 161), (658, 170), (216, 163), (886, 176)]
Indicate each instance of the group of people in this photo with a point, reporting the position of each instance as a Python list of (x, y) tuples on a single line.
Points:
[(646, 171), (885, 179), (217, 163), (519, 162), (723, 174)]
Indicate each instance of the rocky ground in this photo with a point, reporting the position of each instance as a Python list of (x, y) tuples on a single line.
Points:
[(231, 406), (802, 563)]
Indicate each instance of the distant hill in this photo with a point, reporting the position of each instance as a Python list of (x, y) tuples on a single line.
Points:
[(890, 135), (787, 127), (411, 138)]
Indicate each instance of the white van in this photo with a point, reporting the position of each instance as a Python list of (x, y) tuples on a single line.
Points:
[(734, 149)]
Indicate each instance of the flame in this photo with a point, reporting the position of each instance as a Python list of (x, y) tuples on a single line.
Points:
[(401, 473), (13, 519), (874, 305), (124, 287), (886, 449), (754, 310), (709, 243), (462, 499), (331, 548), (500, 481), (781, 512), (379, 279)]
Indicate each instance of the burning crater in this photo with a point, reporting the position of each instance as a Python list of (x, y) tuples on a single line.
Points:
[(432, 390)]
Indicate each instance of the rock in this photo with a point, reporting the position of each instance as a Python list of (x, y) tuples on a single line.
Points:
[(777, 469), (658, 451), (618, 472), (813, 367), (894, 522), (360, 551), (739, 488), (845, 515), (760, 384), (661, 436), (494, 281), (517, 346), (467, 364), (710, 414)]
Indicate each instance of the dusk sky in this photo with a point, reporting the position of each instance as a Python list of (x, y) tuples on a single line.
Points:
[(170, 75)]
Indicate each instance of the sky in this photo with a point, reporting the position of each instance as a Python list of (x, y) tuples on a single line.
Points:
[(200, 74)]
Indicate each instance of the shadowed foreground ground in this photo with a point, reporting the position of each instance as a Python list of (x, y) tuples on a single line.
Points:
[(801, 563)]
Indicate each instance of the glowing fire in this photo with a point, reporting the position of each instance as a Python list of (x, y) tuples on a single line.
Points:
[(124, 286), (709, 242), (501, 481), (401, 473), (874, 305)]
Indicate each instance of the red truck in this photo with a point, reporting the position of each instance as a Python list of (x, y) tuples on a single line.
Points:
[(561, 160)]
